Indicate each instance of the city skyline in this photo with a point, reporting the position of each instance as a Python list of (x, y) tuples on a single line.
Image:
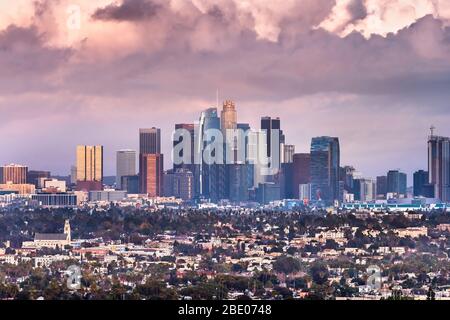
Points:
[(111, 170), (372, 73)]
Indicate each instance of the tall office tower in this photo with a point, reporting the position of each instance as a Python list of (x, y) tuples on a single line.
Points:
[(13, 173), (228, 117), (274, 142), (150, 141), (190, 165), (288, 153), (245, 129), (396, 183), (257, 156), (300, 171), (125, 165), (151, 166), (179, 184), (228, 125), (238, 182), (208, 121), (325, 164), (89, 168), (381, 187), (439, 166), (34, 176), (190, 129), (244, 161), (151, 169), (421, 186), (364, 190), (347, 176), (73, 175)]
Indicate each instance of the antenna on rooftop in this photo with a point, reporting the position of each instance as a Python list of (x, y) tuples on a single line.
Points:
[(432, 128)]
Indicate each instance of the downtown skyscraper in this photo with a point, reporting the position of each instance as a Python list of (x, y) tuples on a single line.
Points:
[(125, 165), (325, 167), (209, 120), (439, 166), (89, 168), (151, 162)]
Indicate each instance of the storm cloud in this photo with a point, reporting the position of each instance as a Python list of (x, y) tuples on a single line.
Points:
[(319, 64)]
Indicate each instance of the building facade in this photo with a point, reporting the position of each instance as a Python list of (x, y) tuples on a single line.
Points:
[(150, 141), (89, 167), (13, 173), (125, 165), (439, 166), (151, 171), (325, 168), (151, 162), (397, 183)]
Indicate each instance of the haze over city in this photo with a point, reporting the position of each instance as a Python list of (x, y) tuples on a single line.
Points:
[(373, 73)]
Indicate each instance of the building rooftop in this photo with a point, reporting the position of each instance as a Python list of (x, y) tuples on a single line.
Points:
[(50, 236)]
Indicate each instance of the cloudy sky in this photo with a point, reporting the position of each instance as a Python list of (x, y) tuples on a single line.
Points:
[(375, 73)]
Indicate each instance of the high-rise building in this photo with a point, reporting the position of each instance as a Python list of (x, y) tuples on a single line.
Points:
[(275, 138), (238, 179), (34, 176), (347, 176), (89, 167), (257, 156), (288, 153), (421, 186), (209, 120), (325, 167), (73, 175), (228, 117), (179, 184), (125, 165), (190, 165), (364, 190), (301, 171), (151, 162), (151, 168), (190, 129), (439, 166), (382, 187), (150, 141), (13, 173), (396, 183)]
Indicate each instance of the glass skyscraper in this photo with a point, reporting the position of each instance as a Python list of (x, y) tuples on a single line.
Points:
[(208, 120), (396, 182), (325, 165)]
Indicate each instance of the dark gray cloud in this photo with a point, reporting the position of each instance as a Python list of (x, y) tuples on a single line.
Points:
[(349, 86), (357, 9), (26, 60), (128, 10)]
